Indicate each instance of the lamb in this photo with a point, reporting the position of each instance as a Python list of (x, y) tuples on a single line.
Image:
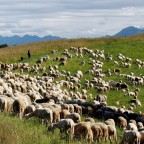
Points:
[(64, 125), (45, 114)]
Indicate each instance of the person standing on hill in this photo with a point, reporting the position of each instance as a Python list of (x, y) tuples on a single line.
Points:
[(29, 54)]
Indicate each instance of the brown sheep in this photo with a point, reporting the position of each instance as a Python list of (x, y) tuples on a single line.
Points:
[(18, 107), (71, 108), (110, 122), (74, 116), (104, 128), (64, 113), (112, 132), (56, 116), (97, 132), (89, 119), (77, 108), (142, 137), (64, 106), (122, 122), (133, 121), (83, 130)]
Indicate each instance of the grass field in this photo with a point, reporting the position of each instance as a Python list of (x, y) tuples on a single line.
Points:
[(15, 131)]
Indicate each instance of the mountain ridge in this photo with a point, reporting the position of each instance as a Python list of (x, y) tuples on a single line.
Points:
[(129, 31), (17, 40)]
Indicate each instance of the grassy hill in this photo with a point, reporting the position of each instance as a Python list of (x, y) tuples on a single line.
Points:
[(132, 47)]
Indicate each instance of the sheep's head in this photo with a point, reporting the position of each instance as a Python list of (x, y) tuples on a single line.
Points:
[(51, 128)]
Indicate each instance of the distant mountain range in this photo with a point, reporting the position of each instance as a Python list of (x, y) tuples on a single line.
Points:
[(129, 31), (17, 40)]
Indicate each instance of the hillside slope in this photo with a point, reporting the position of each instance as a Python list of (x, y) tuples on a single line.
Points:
[(95, 58)]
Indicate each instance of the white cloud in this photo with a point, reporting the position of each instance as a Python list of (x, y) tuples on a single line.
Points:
[(65, 18)]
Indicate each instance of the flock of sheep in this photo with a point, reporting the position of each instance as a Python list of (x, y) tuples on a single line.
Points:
[(59, 98)]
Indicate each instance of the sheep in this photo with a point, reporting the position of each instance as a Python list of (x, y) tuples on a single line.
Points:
[(56, 116), (130, 137), (83, 130), (112, 132), (140, 126), (117, 71), (90, 119), (122, 122), (104, 128), (132, 121), (6, 103), (45, 114), (18, 107), (134, 93), (142, 137), (71, 108), (29, 109), (108, 114), (3, 104), (97, 132), (135, 101), (131, 126), (110, 122), (77, 108), (64, 125), (101, 98), (74, 116), (126, 65), (64, 113)]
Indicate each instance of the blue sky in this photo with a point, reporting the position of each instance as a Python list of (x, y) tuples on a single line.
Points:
[(69, 18)]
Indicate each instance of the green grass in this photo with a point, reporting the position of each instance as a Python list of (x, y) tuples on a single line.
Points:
[(15, 131)]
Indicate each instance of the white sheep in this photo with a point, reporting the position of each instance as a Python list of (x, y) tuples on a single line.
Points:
[(64, 125), (45, 114)]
